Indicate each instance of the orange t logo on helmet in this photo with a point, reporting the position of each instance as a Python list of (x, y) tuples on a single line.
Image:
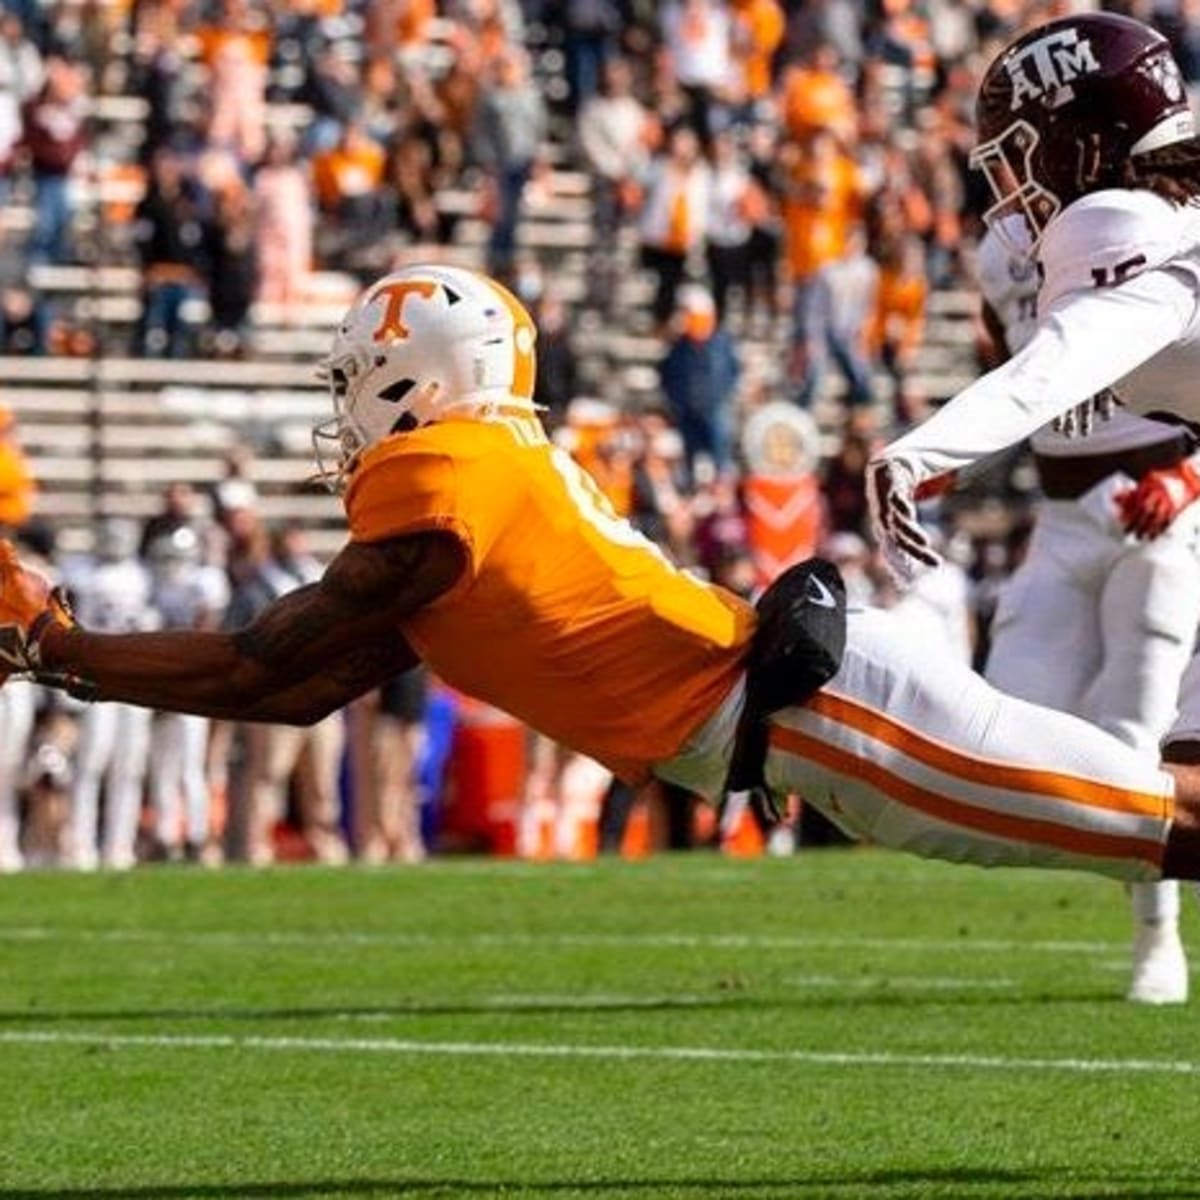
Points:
[(392, 328)]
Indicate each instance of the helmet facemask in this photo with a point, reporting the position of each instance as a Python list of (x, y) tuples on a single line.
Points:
[(339, 441), (1007, 162)]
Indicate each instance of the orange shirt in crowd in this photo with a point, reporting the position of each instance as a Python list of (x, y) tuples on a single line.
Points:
[(412, 22), (18, 488), (214, 39), (814, 98), (565, 616), (352, 168), (759, 26), (823, 201), (899, 311)]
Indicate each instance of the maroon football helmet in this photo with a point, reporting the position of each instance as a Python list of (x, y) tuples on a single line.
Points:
[(1065, 105)]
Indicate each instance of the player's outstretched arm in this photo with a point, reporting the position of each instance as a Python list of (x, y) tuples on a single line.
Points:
[(304, 656)]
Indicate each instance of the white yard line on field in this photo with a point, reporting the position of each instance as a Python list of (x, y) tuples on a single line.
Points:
[(706, 1054), (900, 983), (331, 939)]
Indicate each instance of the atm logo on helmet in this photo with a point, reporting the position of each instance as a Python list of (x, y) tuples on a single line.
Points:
[(1044, 70), (392, 327)]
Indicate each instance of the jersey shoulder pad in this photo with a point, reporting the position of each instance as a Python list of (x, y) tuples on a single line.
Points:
[(1107, 237)]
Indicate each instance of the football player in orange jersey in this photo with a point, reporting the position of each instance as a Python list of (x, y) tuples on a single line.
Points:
[(478, 546)]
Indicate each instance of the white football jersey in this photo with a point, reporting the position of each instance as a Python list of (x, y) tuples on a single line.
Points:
[(184, 598), (1119, 307), (1009, 282), (113, 597)]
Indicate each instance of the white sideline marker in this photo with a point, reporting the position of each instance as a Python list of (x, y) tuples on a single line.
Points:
[(706, 1054)]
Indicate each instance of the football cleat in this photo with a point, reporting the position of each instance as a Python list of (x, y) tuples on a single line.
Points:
[(1160, 970)]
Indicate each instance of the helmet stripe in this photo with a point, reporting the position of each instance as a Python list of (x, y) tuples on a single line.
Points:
[(523, 336)]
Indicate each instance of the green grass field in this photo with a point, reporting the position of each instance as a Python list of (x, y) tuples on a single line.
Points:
[(838, 1024)]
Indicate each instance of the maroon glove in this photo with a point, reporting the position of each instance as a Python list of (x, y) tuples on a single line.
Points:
[(1148, 509)]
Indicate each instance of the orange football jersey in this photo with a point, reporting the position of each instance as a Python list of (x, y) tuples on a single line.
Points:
[(565, 617)]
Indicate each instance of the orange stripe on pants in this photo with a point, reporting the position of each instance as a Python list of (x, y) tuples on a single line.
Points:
[(943, 808), (990, 773)]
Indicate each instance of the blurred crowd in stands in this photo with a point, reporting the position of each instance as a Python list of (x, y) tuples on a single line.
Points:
[(769, 188)]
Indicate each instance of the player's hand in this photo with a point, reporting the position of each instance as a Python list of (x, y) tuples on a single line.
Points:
[(1148, 509), (29, 606), (1078, 422), (892, 496)]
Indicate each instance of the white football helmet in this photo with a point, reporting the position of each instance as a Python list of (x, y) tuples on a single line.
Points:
[(420, 345)]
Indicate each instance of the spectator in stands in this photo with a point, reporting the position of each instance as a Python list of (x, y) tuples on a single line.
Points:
[(757, 31), (53, 138), (284, 227), (937, 175), (348, 179), (898, 325), (697, 39), (844, 481), (235, 49), (840, 308), (615, 130), (169, 234), (332, 90), (674, 216), (381, 100), (236, 492), (511, 124), (660, 508), (699, 376), (182, 506), (590, 32), (24, 321), (603, 440), (414, 182), (721, 534), (814, 96), (157, 75), (18, 488), (558, 371), (766, 233), (901, 41), (21, 77), (451, 105), (736, 205), (823, 196), (231, 260)]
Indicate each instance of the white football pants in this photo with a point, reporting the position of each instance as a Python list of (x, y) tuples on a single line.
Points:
[(177, 773), (910, 749), (1099, 624), (17, 709), (114, 742)]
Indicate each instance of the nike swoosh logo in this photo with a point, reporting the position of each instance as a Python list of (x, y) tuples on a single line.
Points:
[(817, 593)]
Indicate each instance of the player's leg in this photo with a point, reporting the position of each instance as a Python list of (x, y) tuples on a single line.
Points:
[(97, 728), (917, 752), (16, 727), (165, 755), (193, 779), (126, 774), (1045, 636), (1149, 612)]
